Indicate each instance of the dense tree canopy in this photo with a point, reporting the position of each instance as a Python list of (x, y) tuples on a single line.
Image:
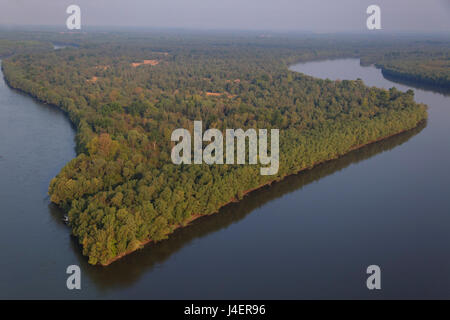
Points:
[(122, 189), (429, 66)]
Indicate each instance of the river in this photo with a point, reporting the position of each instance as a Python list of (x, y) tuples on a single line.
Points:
[(309, 236)]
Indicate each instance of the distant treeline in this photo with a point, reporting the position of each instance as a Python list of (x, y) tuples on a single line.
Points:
[(429, 66), (10, 47)]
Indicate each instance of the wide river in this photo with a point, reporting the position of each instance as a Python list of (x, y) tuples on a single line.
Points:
[(310, 236)]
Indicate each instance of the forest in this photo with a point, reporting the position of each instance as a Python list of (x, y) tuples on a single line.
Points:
[(127, 93), (9, 47), (425, 64)]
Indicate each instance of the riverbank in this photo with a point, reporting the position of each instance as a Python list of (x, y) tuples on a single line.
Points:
[(234, 199), (36, 98), (325, 216), (197, 216)]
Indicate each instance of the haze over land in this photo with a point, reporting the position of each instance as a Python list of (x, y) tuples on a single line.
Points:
[(282, 15)]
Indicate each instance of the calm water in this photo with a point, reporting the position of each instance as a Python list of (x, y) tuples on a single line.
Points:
[(310, 236)]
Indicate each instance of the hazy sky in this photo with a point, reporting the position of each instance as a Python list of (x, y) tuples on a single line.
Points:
[(277, 15)]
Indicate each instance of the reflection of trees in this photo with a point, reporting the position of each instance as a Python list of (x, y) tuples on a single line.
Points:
[(126, 271), (415, 84)]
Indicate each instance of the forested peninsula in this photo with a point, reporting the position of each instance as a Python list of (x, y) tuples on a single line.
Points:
[(126, 95)]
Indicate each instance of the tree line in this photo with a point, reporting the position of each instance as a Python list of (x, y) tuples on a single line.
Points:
[(122, 188)]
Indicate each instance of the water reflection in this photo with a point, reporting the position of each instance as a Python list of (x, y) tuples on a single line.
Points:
[(443, 90), (125, 272)]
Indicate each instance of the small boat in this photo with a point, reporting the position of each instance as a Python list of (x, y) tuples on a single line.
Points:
[(66, 219)]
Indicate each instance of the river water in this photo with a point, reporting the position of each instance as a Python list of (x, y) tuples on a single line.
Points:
[(310, 236)]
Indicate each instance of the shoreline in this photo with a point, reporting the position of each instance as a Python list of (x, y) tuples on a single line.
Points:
[(35, 98), (197, 216)]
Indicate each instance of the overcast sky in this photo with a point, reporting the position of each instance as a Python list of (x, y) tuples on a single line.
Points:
[(276, 15)]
